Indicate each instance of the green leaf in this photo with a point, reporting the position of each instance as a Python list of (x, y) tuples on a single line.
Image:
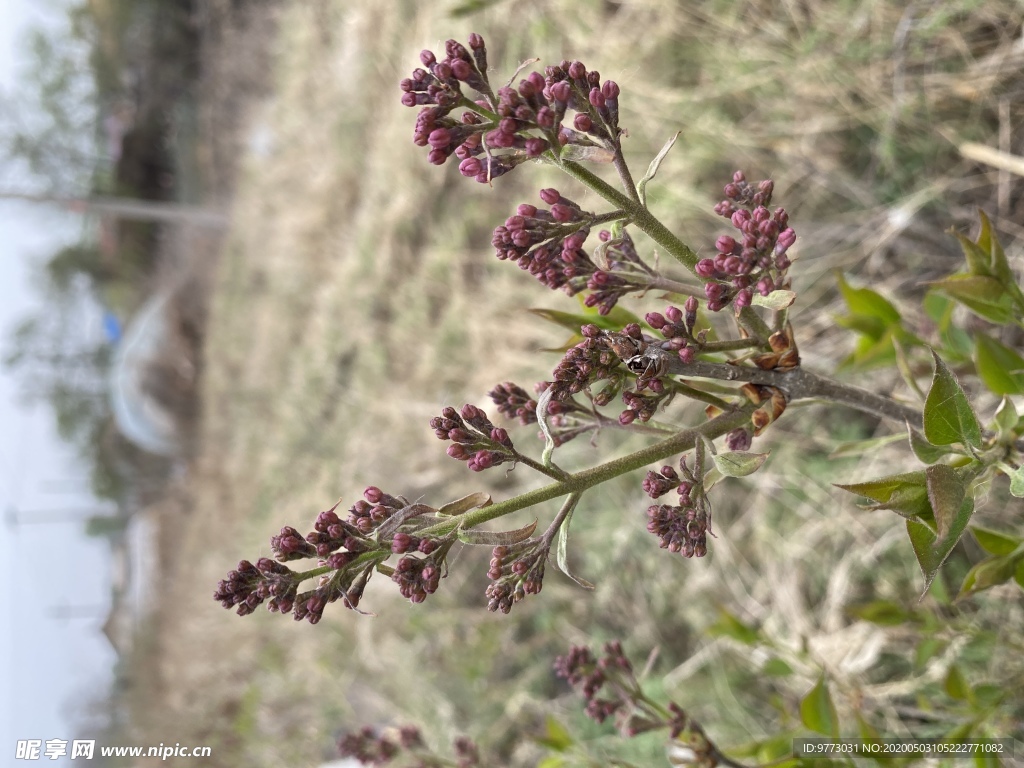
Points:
[(885, 613), (946, 492), (1006, 421), (930, 549), (990, 572), (926, 452), (818, 712), (776, 300), (883, 488), (497, 538), (739, 463), (556, 736), (652, 169), (994, 542), (562, 549), (989, 243), (860, 447), (1018, 576), (613, 321), (906, 494), (984, 296), (1017, 482), (729, 625), (978, 259), (948, 416), (955, 685), (927, 649), (776, 667), (864, 301), (1000, 367)]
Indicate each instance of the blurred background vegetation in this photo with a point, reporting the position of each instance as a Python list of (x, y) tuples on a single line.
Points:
[(345, 292)]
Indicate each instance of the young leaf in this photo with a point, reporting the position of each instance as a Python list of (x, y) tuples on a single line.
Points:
[(955, 685), (930, 549), (818, 712), (562, 548), (984, 296), (864, 301), (885, 613), (652, 169), (1006, 420), (904, 494), (776, 300), (926, 452), (994, 542), (990, 572), (555, 736), (1000, 367), (946, 493), (497, 538), (729, 625), (1017, 482), (739, 463), (948, 416)]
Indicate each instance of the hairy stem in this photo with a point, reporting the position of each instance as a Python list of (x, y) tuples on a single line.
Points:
[(588, 478), (638, 214)]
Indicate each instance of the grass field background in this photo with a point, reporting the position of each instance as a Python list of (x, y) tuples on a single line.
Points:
[(356, 295)]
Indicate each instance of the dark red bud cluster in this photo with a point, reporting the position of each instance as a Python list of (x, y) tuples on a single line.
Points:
[(757, 260), (681, 529), (514, 402), (589, 676), (588, 361), (570, 85), (249, 585), (417, 577), (373, 509), (739, 440), (676, 326), (475, 439), (515, 571)]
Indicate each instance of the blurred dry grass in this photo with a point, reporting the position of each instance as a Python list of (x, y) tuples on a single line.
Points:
[(355, 296)]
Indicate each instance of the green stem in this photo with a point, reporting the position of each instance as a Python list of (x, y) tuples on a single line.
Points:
[(638, 214), (581, 481), (754, 325)]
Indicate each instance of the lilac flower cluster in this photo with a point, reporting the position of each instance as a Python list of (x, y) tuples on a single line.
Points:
[(249, 585), (475, 439), (591, 360), (682, 527), (677, 327), (371, 748), (347, 551), (526, 121), (755, 261), (515, 571), (514, 402)]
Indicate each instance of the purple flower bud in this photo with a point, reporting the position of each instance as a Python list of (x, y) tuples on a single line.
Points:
[(705, 268), (686, 354), (725, 244), (373, 494), (443, 71), (743, 298), (739, 177), (561, 91), (536, 147), (610, 89), (470, 167), (562, 213), (590, 331), (527, 210), (577, 71), (582, 122), (786, 239), (462, 70), (550, 196), (476, 42), (596, 98), (458, 451), (656, 320), (427, 57), (740, 217)]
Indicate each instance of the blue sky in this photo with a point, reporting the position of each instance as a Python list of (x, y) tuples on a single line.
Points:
[(51, 669)]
